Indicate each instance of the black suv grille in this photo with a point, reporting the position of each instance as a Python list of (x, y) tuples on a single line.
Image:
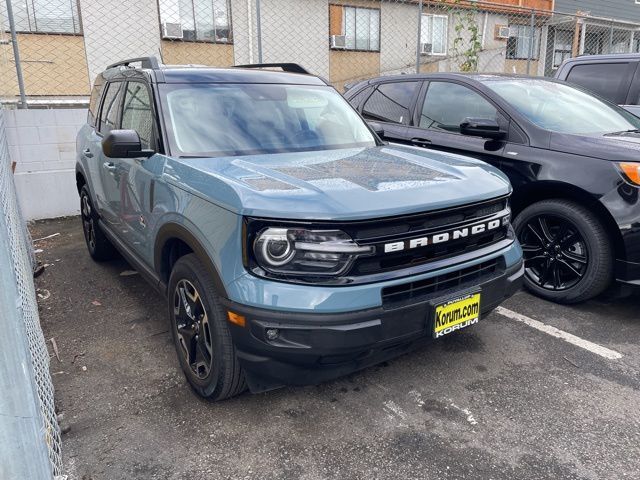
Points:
[(422, 290), (403, 229)]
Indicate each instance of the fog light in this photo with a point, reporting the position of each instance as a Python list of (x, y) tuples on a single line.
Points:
[(272, 333)]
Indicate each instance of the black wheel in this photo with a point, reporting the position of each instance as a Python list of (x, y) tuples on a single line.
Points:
[(568, 255), (99, 246), (200, 332)]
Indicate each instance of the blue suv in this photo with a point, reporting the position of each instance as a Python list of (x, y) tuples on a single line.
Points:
[(292, 244)]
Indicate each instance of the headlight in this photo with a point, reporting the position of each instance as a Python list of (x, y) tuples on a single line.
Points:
[(631, 171), (300, 252)]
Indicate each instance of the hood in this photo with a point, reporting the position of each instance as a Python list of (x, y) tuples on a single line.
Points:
[(346, 184), (617, 147)]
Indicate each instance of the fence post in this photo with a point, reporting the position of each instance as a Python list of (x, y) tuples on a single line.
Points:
[(419, 46), (259, 30), (610, 39), (532, 41), (16, 55)]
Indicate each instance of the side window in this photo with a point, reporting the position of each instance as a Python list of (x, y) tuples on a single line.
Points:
[(390, 102), (109, 113), (94, 101), (137, 113), (446, 105), (357, 99), (601, 78)]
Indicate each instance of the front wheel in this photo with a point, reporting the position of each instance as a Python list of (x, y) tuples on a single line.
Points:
[(568, 254), (200, 332)]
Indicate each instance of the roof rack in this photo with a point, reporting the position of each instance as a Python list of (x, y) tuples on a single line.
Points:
[(286, 67), (147, 62)]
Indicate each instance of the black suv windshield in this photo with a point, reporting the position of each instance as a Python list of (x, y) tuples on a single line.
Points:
[(562, 108), (215, 120)]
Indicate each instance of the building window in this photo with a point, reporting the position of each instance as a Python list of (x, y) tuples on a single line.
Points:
[(562, 47), (519, 42), (196, 20), (360, 27), (43, 16), (433, 34)]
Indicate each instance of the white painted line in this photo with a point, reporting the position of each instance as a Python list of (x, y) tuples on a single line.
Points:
[(555, 332)]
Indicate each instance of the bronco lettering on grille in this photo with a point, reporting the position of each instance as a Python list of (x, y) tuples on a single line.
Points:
[(446, 236)]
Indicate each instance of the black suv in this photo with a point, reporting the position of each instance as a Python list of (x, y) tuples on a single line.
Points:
[(572, 157), (614, 77)]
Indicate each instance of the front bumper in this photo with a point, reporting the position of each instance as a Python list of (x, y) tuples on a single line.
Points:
[(315, 347)]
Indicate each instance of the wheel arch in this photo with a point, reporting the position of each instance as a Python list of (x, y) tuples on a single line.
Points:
[(548, 190), (174, 241)]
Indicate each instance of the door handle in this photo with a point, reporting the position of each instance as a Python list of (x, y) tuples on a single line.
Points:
[(421, 141), (109, 166), (87, 153)]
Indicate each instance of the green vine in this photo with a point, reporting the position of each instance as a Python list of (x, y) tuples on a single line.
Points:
[(467, 44)]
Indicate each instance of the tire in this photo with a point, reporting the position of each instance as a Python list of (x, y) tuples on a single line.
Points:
[(99, 246), (574, 243), (200, 333)]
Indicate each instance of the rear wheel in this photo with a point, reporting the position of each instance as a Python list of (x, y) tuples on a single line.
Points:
[(568, 255), (200, 332), (99, 246)]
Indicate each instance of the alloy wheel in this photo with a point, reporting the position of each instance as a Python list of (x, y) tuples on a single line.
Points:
[(555, 253), (192, 327)]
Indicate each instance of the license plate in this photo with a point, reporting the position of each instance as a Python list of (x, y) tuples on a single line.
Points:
[(456, 314)]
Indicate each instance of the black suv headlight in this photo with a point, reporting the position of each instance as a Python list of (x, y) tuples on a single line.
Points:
[(304, 253)]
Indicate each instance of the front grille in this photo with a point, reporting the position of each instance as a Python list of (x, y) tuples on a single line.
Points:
[(410, 227), (422, 290)]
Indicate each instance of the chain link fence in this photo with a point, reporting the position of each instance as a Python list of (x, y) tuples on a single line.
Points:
[(64, 44), (30, 444)]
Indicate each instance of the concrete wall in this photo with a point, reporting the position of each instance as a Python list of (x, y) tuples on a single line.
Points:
[(132, 30), (42, 143), (398, 37)]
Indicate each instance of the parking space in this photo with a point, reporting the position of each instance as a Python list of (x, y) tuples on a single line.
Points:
[(503, 400)]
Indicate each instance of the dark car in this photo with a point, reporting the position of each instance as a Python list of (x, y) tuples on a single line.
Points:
[(573, 160), (614, 77)]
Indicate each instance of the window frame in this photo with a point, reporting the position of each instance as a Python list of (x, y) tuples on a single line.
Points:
[(344, 28), (445, 42), (195, 29), (154, 141), (79, 32), (504, 119), (537, 42)]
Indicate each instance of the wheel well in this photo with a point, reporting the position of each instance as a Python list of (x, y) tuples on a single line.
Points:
[(535, 192), (172, 250), (80, 181)]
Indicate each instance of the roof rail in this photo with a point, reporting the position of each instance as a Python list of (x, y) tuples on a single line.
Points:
[(147, 62), (286, 67)]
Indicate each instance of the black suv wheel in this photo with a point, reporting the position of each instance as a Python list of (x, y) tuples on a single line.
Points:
[(568, 255), (99, 246), (200, 332)]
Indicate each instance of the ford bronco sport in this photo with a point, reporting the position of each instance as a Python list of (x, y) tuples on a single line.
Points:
[(293, 245)]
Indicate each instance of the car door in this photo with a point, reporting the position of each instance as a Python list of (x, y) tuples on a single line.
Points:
[(442, 106), (132, 180), (391, 105), (104, 167)]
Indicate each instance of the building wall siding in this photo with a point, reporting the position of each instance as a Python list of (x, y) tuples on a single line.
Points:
[(622, 9)]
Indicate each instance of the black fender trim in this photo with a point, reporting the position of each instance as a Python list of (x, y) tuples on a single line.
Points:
[(176, 231)]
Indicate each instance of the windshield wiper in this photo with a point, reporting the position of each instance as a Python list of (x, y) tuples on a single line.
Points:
[(632, 130)]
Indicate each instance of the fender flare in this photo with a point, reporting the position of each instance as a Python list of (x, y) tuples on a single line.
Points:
[(171, 231)]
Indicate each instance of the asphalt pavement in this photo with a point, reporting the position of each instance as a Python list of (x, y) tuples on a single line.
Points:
[(534, 391)]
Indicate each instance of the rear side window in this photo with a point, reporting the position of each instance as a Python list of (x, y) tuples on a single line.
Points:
[(357, 99), (109, 112), (94, 101), (603, 79), (391, 102)]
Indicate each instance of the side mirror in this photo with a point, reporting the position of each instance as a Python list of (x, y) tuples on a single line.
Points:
[(482, 127), (124, 144), (376, 127)]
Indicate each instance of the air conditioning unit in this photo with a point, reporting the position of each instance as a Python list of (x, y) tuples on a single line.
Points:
[(172, 30), (426, 48), (338, 41), (502, 32)]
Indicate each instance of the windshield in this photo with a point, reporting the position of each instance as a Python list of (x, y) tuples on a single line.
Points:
[(244, 119), (563, 108)]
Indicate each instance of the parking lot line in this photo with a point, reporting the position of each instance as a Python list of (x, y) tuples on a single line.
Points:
[(555, 332)]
